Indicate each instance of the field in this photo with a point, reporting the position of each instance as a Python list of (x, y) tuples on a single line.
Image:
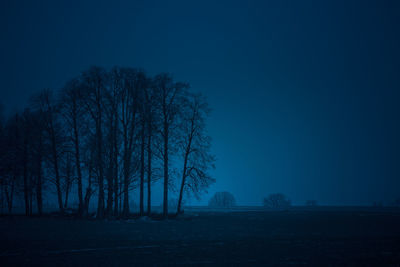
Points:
[(296, 237)]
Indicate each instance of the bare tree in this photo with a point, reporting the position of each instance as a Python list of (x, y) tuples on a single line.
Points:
[(150, 107), (72, 109), (95, 83), (277, 201), (222, 200), (25, 158), (169, 94), (111, 107), (195, 148), (106, 130), (12, 160), (143, 108), (49, 112), (37, 157), (128, 119)]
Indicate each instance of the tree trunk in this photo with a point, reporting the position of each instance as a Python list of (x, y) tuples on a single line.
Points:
[(56, 170), (10, 196), (165, 200), (142, 169), (184, 174), (66, 195), (182, 186), (115, 157), (25, 166), (88, 194), (126, 174), (110, 178), (30, 200), (100, 204), (39, 198), (110, 192), (149, 172), (77, 160), (126, 195), (116, 188)]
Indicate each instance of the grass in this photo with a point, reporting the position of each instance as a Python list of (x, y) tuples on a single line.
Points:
[(296, 237)]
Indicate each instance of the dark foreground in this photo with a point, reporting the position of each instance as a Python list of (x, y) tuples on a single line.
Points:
[(324, 238)]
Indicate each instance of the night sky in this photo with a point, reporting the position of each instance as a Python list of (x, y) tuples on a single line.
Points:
[(305, 94)]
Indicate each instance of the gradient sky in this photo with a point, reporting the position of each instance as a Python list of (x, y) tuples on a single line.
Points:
[(305, 94)]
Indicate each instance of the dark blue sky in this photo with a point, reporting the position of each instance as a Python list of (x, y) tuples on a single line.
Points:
[(305, 94)]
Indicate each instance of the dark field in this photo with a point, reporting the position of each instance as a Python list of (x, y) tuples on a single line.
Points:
[(324, 238)]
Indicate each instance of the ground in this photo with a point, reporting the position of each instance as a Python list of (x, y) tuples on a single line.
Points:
[(296, 237)]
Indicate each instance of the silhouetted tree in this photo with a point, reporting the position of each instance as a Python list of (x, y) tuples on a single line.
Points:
[(169, 97), (49, 112), (73, 112), (12, 160), (222, 200), (95, 86), (276, 201), (25, 120), (106, 130), (143, 84), (194, 146), (37, 156), (151, 120), (128, 120)]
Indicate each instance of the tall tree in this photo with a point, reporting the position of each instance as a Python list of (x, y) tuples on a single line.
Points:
[(72, 109), (143, 84), (195, 148), (150, 119), (169, 96), (25, 158), (37, 130), (111, 108), (128, 120), (12, 160), (95, 84), (49, 112)]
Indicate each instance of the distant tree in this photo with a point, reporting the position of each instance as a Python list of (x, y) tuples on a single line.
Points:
[(222, 200), (276, 201), (311, 203)]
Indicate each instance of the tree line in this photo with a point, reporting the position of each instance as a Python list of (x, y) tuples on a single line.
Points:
[(104, 134)]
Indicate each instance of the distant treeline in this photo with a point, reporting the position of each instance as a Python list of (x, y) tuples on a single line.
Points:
[(104, 134)]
